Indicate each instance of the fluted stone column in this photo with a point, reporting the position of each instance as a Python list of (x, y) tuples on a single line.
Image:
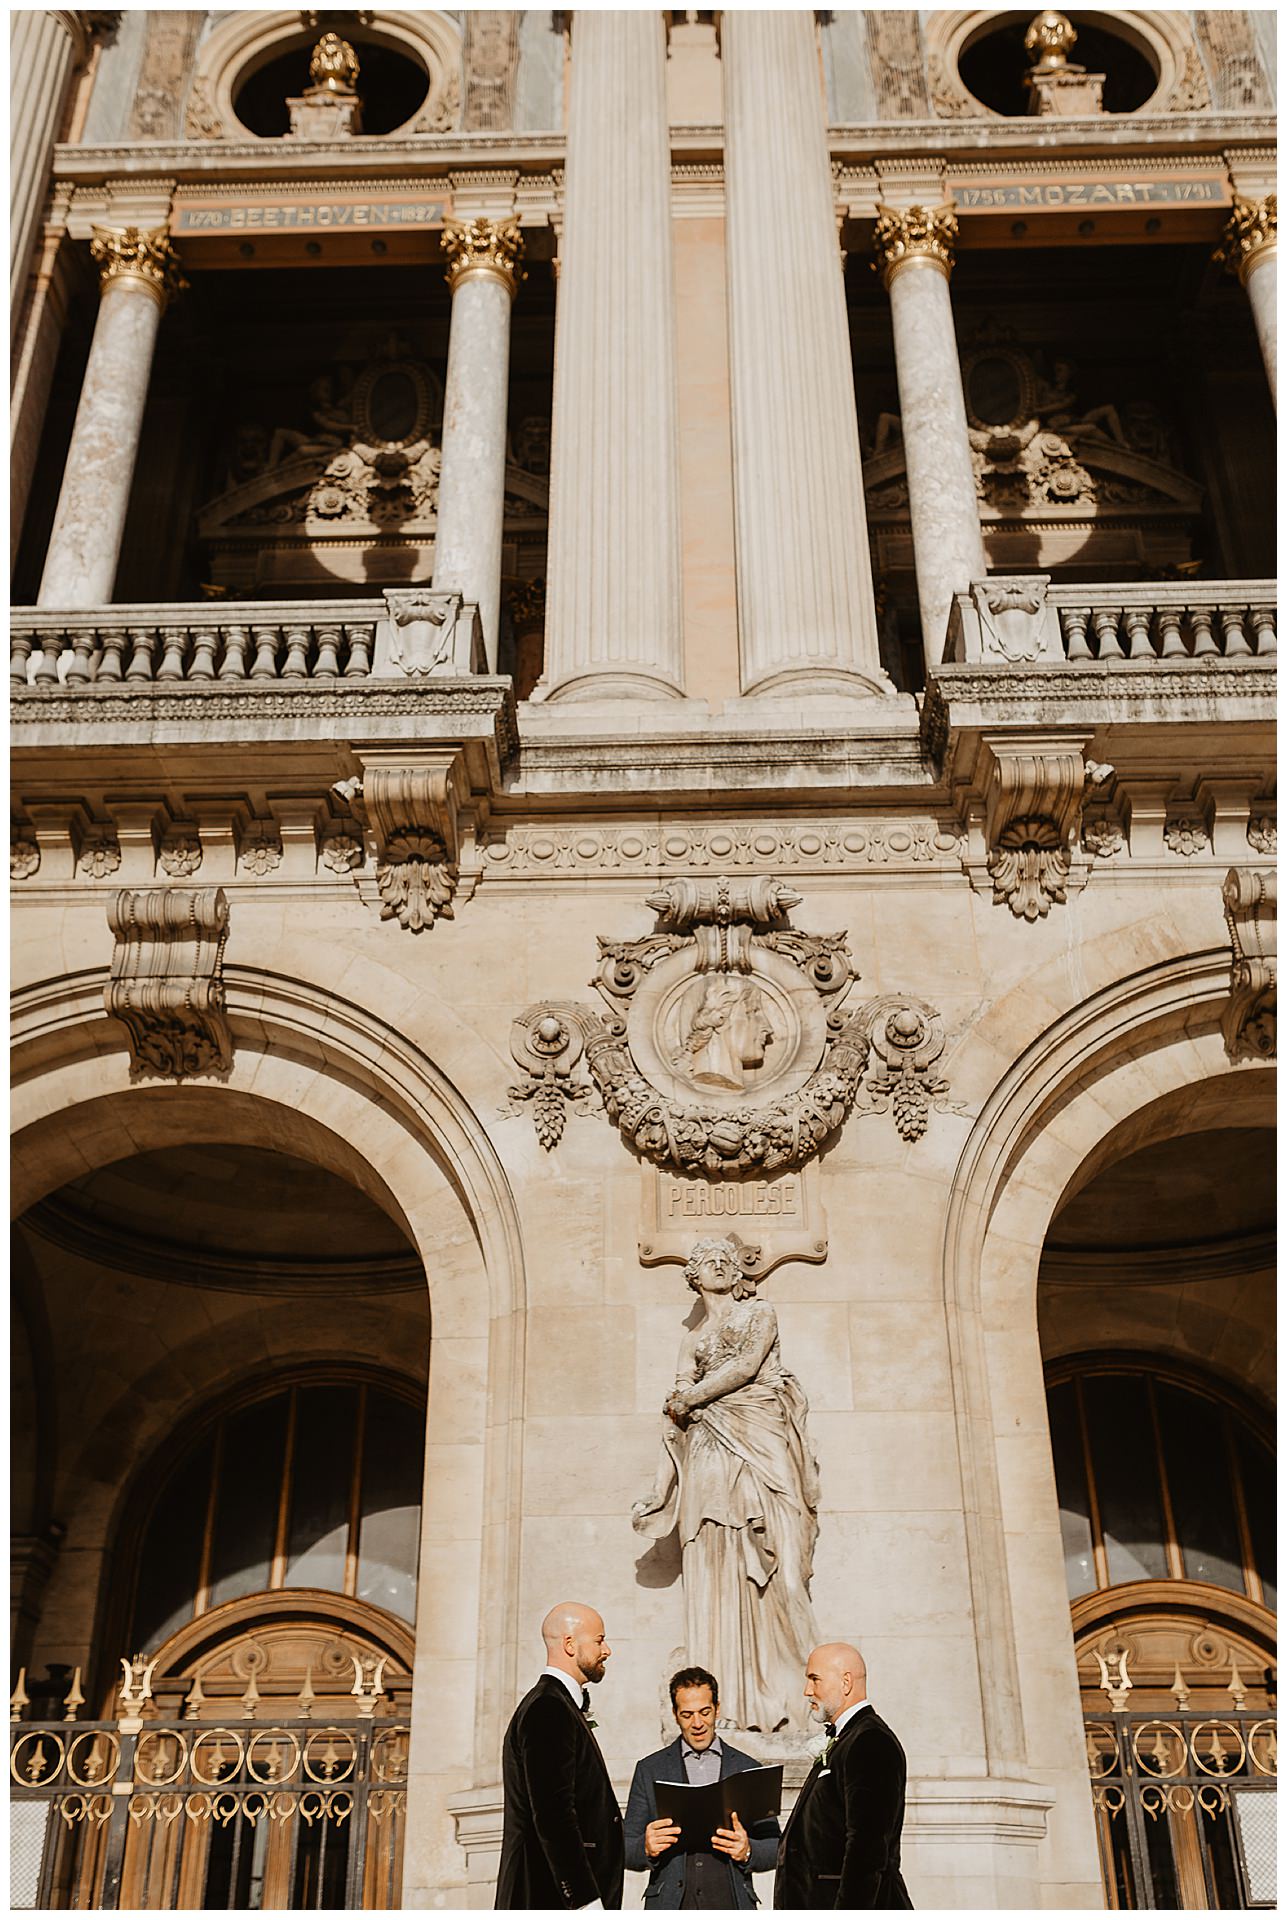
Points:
[(1251, 251), (138, 276), (45, 49), (613, 621), (805, 606), (483, 278), (914, 249)]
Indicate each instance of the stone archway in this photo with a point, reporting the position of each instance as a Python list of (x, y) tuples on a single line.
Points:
[(324, 1078), (1093, 1067)]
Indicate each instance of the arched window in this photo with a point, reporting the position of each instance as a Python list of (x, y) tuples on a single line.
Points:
[(312, 1485), (1160, 1477)]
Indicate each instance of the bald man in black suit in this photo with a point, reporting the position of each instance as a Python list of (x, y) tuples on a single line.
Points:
[(563, 1845), (842, 1843)]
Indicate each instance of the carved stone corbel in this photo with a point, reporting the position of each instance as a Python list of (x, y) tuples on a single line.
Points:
[(1032, 808), (414, 814), (166, 984), (1250, 1021)]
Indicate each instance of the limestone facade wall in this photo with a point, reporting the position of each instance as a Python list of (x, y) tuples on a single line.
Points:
[(550, 1454)]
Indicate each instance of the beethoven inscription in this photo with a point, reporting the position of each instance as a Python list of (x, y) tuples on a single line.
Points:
[(265, 216)]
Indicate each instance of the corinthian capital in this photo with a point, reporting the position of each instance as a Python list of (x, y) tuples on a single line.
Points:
[(143, 261), (483, 246), (1252, 232), (914, 236)]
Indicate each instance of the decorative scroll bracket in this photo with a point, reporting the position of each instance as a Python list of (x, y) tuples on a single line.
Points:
[(413, 811), (1032, 809), (1250, 1021), (166, 984)]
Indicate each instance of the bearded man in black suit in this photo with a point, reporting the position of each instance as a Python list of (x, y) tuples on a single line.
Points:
[(562, 1844), (841, 1845)]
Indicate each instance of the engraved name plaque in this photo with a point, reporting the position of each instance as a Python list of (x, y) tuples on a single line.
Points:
[(781, 1217)]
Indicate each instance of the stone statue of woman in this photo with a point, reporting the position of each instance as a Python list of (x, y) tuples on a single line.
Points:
[(739, 1480)]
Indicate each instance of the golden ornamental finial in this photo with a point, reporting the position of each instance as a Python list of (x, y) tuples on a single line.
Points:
[(1049, 40), (334, 66), (1251, 233), (483, 246), (129, 258), (914, 236)]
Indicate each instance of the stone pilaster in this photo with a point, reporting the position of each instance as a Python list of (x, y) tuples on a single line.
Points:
[(914, 252), (805, 604), (613, 625), (483, 274), (45, 48), (138, 276), (1250, 250)]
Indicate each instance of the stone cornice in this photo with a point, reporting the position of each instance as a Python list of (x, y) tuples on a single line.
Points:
[(1091, 694), (481, 707), (1161, 139)]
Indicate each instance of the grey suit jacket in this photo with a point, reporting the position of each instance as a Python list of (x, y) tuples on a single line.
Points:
[(665, 1887)]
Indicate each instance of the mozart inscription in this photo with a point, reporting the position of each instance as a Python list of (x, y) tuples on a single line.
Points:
[(989, 197)]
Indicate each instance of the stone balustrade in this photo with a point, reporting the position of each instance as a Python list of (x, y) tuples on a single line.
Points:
[(260, 641), (1023, 619)]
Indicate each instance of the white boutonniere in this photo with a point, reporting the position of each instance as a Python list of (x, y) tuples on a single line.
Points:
[(821, 1748)]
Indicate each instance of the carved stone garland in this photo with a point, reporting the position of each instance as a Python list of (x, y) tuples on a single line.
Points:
[(726, 1051), (166, 984), (1250, 1021)]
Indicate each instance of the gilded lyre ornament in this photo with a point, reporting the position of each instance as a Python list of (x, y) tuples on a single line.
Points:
[(914, 236), (1049, 40), (483, 246), (127, 257), (1250, 233), (334, 66)]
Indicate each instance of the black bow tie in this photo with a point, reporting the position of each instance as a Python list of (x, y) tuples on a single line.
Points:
[(585, 1699), (829, 1727)]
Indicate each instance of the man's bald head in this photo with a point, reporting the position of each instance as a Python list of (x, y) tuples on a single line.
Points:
[(574, 1640), (836, 1678)]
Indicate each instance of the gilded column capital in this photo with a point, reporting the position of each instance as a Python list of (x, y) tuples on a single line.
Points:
[(914, 236), (143, 262), (483, 246), (1251, 233)]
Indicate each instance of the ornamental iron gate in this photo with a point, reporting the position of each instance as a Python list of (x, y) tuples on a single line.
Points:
[(1185, 1807), (155, 1814)]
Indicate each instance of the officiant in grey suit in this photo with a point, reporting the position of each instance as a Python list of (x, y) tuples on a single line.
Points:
[(715, 1876)]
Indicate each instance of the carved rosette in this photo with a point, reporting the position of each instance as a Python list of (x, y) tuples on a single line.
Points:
[(483, 246), (1250, 1021), (146, 262), (914, 236), (1250, 234), (166, 984), (24, 856), (726, 1051)]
